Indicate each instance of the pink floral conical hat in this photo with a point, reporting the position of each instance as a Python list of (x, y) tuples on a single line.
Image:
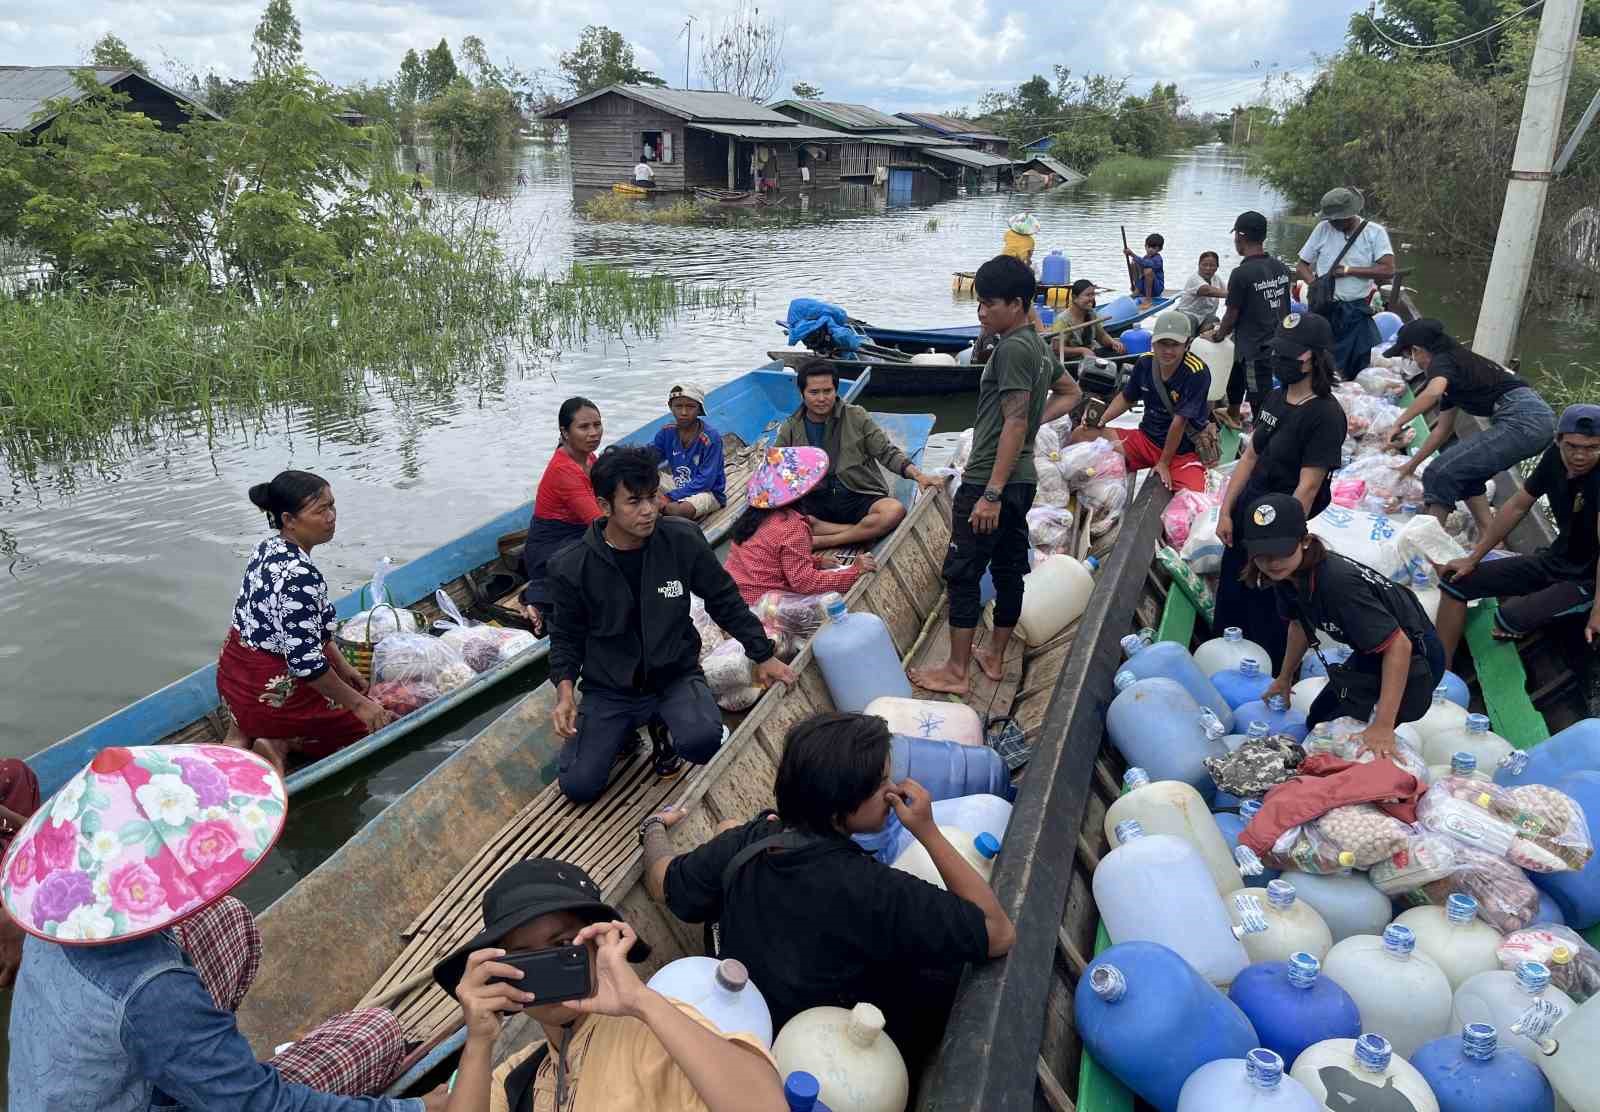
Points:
[(140, 839), (785, 475)]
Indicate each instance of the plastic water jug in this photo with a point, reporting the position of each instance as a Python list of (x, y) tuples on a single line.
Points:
[(1549, 911), (858, 660), (1442, 717), (967, 812), (1135, 340), (935, 719), (1172, 660), (1347, 902), (1245, 684), (1256, 1084), (1156, 725), (802, 1092), (1471, 1072), (1472, 736), (1151, 1020), (1363, 1075), (949, 770), (719, 990), (1426, 589), (1568, 1050), (1578, 893), (1500, 998), (1463, 766), (1291, 1005), (1217, 357), (1222, 653), (1232, 825), (1120, 309), (1456, 690), (1277, 714), (1575, 749), (1311, 664), (1155, 888), (1252, 730), (1293, 926), (1055, 269), (1400, 992), (978, 850), (1460, 944), (1047, 315), (1054, 595), (1173, 807), (1304, 693), (859, 1067)]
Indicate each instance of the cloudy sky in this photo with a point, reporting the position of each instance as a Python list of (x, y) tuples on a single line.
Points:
[(926, 54)]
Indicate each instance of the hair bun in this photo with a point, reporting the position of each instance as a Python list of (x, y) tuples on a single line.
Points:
[(261, 496)]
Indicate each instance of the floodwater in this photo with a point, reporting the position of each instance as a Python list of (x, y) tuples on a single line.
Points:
[(121, 579)]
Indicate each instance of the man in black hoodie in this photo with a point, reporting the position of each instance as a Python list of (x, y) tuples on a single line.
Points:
[(621, 623)]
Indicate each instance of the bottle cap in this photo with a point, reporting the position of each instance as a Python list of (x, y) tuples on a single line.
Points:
[(1108, 983), (1399, 941), (1460, 908), (1277, 702), (1263, 1068), (1258, 729), (1347, 860), (1211, 725), (1249, 809), (866, 1024), (1131, 644), (1478, 1041), (1533, 977), (801, 1091), (1560, 955), (1419, 578), (833, 605), (1303, 969), (987, 845), (1134, 778), (1124, 680), (1127, 830), (1439, 695), (1249, 864), (1280, 894), (1233, 633), (1373, 1053), (1478, 723), (1250, 666), (1463, 763), (732, 975), (1092, 563)]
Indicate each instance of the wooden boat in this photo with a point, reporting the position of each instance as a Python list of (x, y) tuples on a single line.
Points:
[(628, 189), (471, 569), (730, 196)]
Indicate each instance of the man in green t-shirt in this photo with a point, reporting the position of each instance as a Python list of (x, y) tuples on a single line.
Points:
[(989, 530)]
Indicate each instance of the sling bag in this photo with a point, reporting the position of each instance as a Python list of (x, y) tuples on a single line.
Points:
[(1207, 445), (1319, 298)]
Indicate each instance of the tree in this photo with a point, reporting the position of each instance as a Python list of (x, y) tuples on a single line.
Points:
[(110, 52), (602, 57), (804, 90), (474, 125), (277, 40), (1422, 23), (409, 81), (221, 94), (745, 56), (438, 71)]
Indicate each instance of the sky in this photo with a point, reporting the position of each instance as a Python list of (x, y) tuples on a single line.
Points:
[(931, 55)]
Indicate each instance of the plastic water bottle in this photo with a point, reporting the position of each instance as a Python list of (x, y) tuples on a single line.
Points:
[(1175, 808), (1155, 888), (1232, 825), (1241, 685), (1400, 992), (1291, 1005), (1567, 1051), (1256, 1084), (1577, 893), (1363, 1074), (858, 659), (1472, 736), (1172, 660), (1292, 926), (1151, 1020), (978, 850), (1156, 725), (1500, 998), (1472, 1072), (1277, 714), (803, 1092), (1347, 902), (1221, 653), (720, 991), (1460, 944)]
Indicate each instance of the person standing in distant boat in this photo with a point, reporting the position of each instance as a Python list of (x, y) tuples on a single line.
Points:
[(1363, 254), (1257, 302), (691, 452), (564, 505), (287, 686)]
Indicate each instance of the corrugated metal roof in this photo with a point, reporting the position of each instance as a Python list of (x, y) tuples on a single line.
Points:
[(915, 139), (690, 104), (24, 90), (847, 117), (793, 132), (1060, 169), (947, 125), (977, 160)]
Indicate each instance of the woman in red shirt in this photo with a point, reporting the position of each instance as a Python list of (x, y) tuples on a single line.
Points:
[(772, 541), (565, 504)]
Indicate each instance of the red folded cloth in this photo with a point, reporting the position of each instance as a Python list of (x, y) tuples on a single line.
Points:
[(1324, 782)]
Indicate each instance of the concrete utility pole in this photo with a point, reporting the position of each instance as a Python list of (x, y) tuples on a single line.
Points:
[(1515, 245)]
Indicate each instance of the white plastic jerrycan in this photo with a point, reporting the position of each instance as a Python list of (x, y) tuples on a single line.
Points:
[(1569, 1046), (1362, 1075), (719, 990), (860, 1068), (858, 658), (934, 719), (1293, 926), (1255, 1084), (1472, 736), (1397, 990), (1173, 807), (1442, 715), (1501, 997), (978, 850), (1054, 595), (1347, 902), (1221, 653), (1460, 944)]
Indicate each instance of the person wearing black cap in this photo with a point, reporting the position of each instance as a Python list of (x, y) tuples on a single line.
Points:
[(1339, 262), (1295, 448), (1258, 298), (1520, 421), (622, 1046), (1397, 661), (1555, 582)]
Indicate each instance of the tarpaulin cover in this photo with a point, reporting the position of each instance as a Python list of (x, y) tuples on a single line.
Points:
[(808, 316)]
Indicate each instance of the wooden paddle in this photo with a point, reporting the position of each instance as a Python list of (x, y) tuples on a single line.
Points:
[(1133, 269)]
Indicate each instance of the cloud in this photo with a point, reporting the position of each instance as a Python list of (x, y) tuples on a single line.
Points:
[(933, 55)]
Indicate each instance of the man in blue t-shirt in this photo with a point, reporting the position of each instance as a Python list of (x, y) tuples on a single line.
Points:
[(690, 451), (1148, 271)]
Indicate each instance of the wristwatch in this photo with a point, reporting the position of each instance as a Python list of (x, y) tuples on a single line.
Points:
[(990, 494), (644, 827)]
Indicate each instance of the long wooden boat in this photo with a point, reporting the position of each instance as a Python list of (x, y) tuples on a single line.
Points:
[(470, 569), (747, 197)]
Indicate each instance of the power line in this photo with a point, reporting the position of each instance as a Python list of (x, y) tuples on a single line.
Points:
[(1452, 42)]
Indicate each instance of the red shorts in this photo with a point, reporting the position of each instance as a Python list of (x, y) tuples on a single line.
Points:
[(1188, 473)]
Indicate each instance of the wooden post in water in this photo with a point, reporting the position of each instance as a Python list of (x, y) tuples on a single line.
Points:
[(1518, 239)]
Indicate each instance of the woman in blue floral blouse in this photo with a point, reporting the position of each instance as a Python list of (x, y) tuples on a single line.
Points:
[(287, 686)]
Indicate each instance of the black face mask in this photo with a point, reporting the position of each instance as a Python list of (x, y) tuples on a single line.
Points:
[(1288, 369)]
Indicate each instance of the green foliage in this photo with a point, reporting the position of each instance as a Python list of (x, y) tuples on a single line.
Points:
[(409, 82), (110, 52), (475, 124), (602, 57), (1128, 173), (804, 90), (277, 40), (438, 72), (220, 94), (1422, 23)]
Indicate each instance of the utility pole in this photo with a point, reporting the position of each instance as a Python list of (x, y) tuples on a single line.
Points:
[(688, 30), (1518, 239)]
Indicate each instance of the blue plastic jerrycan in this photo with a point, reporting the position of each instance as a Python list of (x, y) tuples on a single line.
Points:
[(858, 658), (1470, 1072), (1578, 893), (1156, 725), (1241, 685), (1575, 749), (1172, 660), (1055, 270), (1292, 1005)]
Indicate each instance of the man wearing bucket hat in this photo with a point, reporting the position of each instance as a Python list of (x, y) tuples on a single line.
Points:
[(691, 453), (1555, 582), (622, 1045), (1339, 261), (136, 955)]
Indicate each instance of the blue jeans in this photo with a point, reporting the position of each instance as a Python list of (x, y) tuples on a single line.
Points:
[(1522, 426)]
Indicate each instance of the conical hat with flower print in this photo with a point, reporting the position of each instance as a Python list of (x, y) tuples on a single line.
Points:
[(785, 475), (140, 839)]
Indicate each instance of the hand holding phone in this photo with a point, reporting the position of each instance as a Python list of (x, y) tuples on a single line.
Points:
[(552, 975)]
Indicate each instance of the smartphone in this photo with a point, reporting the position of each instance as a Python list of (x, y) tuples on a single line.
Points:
[(552, 975), (846, 561)]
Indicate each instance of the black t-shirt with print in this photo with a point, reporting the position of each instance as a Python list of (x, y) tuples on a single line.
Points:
[(1354, 604), (1259, 289), (1476, 388), (1573, 503), (1290, 437)]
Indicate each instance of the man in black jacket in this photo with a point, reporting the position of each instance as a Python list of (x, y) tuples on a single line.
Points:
[(622, 624)]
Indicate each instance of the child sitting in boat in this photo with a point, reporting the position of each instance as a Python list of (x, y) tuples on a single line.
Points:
[(1148, 271), (564, 505), (691, 453), (623, 1045), (771, 540)]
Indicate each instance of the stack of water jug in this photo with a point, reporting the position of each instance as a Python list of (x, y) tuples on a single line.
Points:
[(1441, 973)]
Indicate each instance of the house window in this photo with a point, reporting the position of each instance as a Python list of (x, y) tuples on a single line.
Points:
[(656, 146)]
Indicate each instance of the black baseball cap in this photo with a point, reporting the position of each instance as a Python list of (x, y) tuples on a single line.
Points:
[(1274, 525), (1252, 225), (525, 891), (1424, 332), (1302, 332)]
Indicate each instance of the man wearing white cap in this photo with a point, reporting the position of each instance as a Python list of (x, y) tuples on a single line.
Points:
[(690, 451)]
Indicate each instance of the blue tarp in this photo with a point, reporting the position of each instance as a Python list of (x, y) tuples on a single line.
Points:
[(807, 316)]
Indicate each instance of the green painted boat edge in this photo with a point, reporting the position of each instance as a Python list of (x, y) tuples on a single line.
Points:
[(1098, 1091), (1503, 682)]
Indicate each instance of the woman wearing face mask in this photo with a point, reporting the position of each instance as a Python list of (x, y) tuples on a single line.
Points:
[(1294, 449)]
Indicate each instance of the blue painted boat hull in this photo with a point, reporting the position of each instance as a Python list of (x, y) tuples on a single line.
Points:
[(960, 336)]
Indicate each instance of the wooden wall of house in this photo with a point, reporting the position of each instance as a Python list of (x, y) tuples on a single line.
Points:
[(824, 170), (862, 159), (605, 137)]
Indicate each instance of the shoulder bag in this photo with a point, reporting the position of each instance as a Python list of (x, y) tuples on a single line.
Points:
[(1320, 298), (1207, 445)]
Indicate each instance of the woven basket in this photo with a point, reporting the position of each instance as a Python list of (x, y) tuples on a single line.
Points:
[(359, 653)]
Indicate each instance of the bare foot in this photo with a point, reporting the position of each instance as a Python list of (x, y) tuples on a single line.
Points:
[(944, 678), (992, 665), (235, 737), (274, 751)]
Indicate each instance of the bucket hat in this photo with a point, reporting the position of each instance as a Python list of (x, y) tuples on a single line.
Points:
[(786, 475), (1340, 203), (691, 390), (140, 839), (1024, 224), (525, 891)]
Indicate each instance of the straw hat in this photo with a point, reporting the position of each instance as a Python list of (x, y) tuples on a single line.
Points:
[(786, 475), (1024, 224), (139, 839)]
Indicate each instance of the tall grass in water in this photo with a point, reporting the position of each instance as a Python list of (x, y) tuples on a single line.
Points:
[(1126, 171)]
